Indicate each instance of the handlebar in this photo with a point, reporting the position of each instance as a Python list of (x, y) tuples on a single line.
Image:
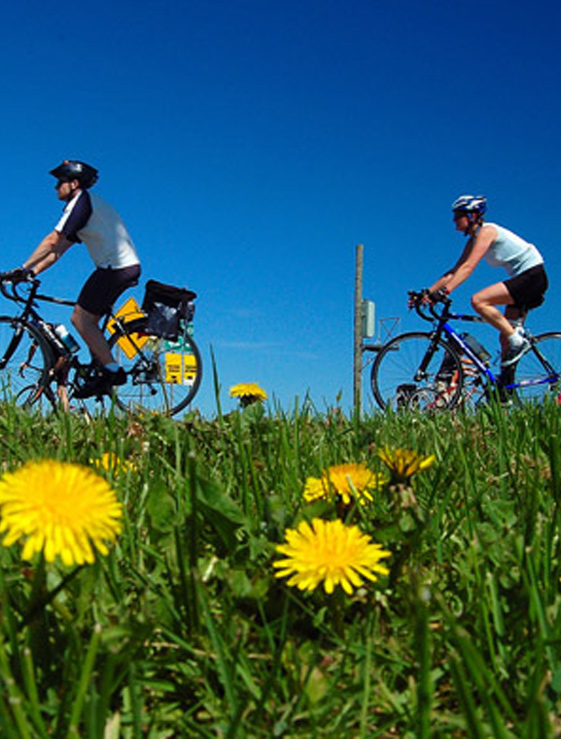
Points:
[(427, 310), (10, 282), (424, 302)]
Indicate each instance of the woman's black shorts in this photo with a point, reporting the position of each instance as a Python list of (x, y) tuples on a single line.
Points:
[(104, 286), (528, 289)]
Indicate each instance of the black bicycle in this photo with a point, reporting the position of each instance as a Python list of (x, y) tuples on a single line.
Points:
[(441, 369), (38, 362)]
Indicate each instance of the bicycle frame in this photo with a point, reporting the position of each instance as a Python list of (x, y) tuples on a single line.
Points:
[(30, 313), (152, 364), (455, 338), (63, 359), (451, 335)]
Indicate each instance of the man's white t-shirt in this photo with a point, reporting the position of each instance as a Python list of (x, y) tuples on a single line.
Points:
[(90, 219)]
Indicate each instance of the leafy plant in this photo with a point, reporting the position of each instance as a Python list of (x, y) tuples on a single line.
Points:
[(184, 630)]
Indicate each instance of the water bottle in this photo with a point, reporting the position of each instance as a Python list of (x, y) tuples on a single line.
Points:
[(477, 348), (66, 338)]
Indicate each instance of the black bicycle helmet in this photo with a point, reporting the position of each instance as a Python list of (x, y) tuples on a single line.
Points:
[(74, 170)]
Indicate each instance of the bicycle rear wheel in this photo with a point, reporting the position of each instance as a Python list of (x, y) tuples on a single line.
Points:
[(162, 376), (412, 372), (26, 362), (537, 374)]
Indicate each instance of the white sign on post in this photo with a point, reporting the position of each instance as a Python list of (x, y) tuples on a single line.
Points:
[(367, 319)]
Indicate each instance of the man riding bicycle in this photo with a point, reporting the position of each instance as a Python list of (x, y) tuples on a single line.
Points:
[(526, 284), (88, 218)]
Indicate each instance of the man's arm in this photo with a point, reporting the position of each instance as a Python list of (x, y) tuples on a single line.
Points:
[(48, 252)]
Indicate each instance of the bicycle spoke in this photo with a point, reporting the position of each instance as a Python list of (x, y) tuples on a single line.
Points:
[(163, 376), (413, 372), (538, 372), (25, 362)]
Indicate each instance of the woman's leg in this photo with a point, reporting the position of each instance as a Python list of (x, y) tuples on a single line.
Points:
[(485, 303)]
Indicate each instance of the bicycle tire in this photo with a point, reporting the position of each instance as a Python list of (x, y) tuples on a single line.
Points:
[(162, 376), (26, 363), (532, 381), (394, 379)]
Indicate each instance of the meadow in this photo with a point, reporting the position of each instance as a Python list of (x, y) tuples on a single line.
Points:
[(185, 627)]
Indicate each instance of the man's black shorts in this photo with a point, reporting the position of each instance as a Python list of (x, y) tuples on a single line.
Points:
[(104, 286), (528, 289)]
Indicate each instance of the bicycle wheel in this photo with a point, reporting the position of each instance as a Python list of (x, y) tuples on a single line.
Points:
[(26, 362), (408, 374), (537, 374), (162, 376)]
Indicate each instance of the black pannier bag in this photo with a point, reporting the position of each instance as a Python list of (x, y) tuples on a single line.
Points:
[(165, 306)]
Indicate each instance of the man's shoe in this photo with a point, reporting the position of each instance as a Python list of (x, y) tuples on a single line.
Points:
[(116, 378), (101, 384)]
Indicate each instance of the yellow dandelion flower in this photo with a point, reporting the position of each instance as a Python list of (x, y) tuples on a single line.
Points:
[(110, 462), (316, 488), (346, 481), (329, 552), (248, 392), (404, 463), (58, 508)]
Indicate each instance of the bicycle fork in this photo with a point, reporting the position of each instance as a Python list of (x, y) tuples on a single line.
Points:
[(421, 373), (13, 345)]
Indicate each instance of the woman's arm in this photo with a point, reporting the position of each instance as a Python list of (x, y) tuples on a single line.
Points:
[(473, 253)]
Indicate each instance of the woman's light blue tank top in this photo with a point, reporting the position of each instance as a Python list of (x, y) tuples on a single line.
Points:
[(511, 252)]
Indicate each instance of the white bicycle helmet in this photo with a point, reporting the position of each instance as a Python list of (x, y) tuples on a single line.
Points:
[(470, 204)]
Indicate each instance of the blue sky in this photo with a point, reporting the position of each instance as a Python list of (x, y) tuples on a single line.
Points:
[(250, 145)]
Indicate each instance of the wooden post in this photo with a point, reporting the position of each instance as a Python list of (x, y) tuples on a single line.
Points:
[(357, 362)]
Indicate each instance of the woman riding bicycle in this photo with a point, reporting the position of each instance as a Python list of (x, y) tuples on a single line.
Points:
[(527, 280)]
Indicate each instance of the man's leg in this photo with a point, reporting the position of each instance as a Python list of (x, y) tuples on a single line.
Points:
[(87, 325), (99, 293)]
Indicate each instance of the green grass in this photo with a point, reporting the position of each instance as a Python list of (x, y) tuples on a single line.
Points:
[(183, 630)]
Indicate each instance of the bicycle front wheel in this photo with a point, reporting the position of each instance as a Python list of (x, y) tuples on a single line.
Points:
[(26, 362), (162, 376), (415, 372), (537, 374)]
